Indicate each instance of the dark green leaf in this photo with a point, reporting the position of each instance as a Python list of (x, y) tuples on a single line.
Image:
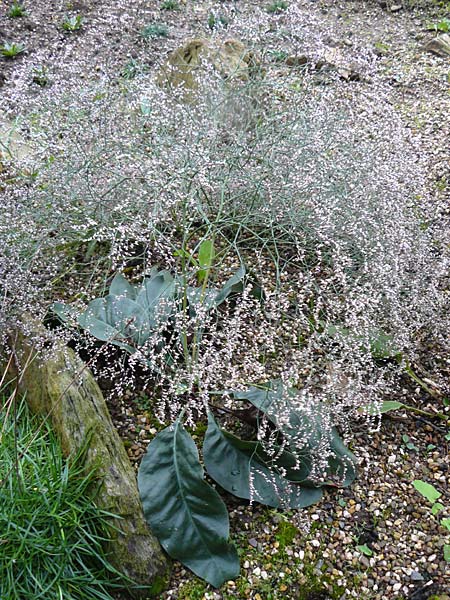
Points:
[(234, 285), (186, 514), (275, 400), (238, 466)]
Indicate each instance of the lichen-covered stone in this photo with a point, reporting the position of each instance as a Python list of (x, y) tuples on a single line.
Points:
[(64, 389), (439, 45), (183, 69)]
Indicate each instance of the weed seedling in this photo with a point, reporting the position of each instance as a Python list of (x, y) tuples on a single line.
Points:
[(72, 24), (278, 56), (155, 30), (408, 443), (40, 76), (132, 69), (364, 549), (277, 6), (215, 21), (11, 50), (443, 26), (170, 5), (428, 491), (16, 10)]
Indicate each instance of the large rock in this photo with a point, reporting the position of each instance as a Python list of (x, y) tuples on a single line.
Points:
[(64, 389), (439, 45), (186, 65), (12, 145)]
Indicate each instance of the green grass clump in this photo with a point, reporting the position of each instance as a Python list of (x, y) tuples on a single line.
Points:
[(170, 5), (51, 532), (72, 24), (11, 50), (16, 10), (155, 30), (277, 6)]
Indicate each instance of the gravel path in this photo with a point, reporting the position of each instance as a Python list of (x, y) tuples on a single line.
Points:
[(378, 539)]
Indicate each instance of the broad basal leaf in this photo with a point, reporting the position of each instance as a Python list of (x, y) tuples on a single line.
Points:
[(186, 513), (121, 287), (238, 466), (304, 432), (160, 286), (63, 312), (233, 285), (211, 298), (118, 320), (342, 463)]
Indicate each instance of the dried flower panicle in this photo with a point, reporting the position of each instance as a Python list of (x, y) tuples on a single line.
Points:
[(318, 190)]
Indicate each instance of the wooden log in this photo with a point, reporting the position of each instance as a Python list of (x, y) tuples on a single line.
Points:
[(64, 389)]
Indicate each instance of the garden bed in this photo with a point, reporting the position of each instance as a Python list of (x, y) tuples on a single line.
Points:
[(378, 538)]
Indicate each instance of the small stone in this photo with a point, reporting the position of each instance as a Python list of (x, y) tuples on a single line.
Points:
[(396, 587), (396, 7), (296, 61), (257, 571), (364, 561), (253, 542)]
